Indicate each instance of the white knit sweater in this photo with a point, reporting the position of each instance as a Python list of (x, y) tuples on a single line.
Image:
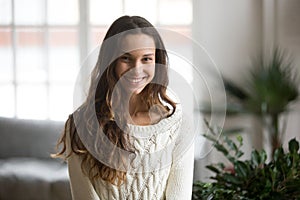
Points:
[(171, 178)]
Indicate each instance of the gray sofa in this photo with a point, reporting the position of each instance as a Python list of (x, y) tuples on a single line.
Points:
[(26, 170)]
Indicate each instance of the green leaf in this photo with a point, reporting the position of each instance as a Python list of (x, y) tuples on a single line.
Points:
[(233, 179), (231, 144), (241, 169), (240, 139), (293, 146), (235, 89), (289, 162), (263, 156), (239, 154), (209, 137), (278, 154), (255, 158), (221, 148), (213, 168)]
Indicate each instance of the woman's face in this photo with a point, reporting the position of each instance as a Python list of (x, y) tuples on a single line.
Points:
[(135, 68)]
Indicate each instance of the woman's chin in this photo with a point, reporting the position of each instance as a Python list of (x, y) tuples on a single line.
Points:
[(135, 91)]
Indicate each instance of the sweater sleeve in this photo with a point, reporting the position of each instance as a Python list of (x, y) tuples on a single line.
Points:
[(180, 181), (81, 186)]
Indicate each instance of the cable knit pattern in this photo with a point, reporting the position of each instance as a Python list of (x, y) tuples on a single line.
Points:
[(162, 168)]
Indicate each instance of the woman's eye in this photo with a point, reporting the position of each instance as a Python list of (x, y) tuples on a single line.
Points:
[(125, 58), (148, 59)]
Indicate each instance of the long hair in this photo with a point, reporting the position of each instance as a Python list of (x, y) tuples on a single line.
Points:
[(100, 98)]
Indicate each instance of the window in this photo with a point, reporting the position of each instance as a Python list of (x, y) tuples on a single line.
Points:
[(43, 42)]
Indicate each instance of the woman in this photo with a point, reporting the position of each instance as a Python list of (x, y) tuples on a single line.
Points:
[(126, 140)]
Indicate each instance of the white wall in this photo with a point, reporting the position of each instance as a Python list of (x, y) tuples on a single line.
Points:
[(232, 31), (288, 36)]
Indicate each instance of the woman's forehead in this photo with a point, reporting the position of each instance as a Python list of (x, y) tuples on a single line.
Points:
[(132, 42)]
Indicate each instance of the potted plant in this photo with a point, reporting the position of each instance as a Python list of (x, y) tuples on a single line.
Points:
[(253, 178), (267, 93)]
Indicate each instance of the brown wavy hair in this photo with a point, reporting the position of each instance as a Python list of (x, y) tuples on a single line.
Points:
[(98, 104)]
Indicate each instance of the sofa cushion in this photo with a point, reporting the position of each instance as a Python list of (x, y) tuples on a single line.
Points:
[(28, 138), (33, 179)]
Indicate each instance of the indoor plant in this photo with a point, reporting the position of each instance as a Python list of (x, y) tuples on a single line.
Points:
[(267, 93), (253, 178)]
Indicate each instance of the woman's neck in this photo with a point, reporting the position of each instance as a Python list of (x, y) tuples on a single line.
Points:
[(141, 114), (136, 105)]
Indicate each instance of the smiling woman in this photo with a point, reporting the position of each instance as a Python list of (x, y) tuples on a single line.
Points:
[(128, 140)]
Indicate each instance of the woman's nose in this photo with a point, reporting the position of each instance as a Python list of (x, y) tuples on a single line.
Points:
[(137, 67)]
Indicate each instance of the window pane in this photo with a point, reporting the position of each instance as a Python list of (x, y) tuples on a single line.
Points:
[(175, 12), (137, 7), (179, 47), (61, 101), (32, 101), (6, 69), (7, 101), (63, 12), (29, 12), (181, 66), (98, 35), (63, 55), (5, 12), (104, 12), (30, 60)]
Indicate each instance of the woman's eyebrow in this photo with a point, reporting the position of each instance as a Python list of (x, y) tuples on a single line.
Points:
[(129, 54), (149, 54), (125, 53)]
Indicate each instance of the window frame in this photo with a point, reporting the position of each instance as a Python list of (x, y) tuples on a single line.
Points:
[(85, 45)]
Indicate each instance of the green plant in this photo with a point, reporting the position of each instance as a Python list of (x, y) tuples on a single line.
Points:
[(267, 93), (253, 178)]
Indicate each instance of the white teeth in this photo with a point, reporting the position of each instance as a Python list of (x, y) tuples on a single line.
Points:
[(135, 80)]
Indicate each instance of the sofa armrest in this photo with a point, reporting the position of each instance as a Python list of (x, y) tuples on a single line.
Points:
[(28, 138)]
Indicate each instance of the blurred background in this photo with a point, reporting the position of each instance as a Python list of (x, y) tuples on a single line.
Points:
[(44, 42)]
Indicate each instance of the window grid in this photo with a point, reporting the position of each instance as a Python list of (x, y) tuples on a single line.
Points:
[(84, 40), (13, 27)]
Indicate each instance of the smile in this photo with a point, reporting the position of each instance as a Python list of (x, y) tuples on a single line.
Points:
[(135, 80)]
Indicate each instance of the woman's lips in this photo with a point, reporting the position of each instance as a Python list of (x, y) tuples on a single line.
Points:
[(135, 80)]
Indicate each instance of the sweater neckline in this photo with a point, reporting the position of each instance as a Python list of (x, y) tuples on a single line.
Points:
[(159, 127)]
